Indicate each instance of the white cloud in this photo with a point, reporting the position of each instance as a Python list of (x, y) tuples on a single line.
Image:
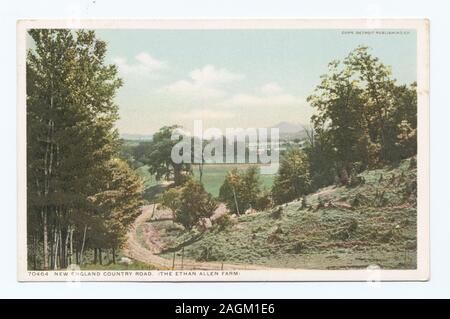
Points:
[(210, 76), (271, 89), (192, 90), (206, 114), (269, 95), (143, 64), (207, 82)]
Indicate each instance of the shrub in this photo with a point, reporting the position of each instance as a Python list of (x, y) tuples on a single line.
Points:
[(208, 253), (223, 222), (241, 190), (276, 213), (413, 162), (171, 198), (345, 232), (304, 204), (293, 179), (343, 177), (298, 247), (194, 203), (356, 181), (273, 238), (263, 202)]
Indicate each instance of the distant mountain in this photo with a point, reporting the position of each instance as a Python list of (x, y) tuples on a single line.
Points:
[(136, 137), (287, 127), (290, 131)]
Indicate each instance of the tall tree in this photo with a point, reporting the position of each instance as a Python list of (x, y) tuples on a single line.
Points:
[(293, 178), (242, 190), (195, 203), (378, 94), (363, 118), (119, 205), (339, 112), (159, 159), (70, 135)]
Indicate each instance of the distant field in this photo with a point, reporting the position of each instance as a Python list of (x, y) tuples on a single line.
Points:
[(214, 175)]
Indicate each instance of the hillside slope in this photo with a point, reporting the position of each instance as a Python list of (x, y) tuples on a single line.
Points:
[(373, 223)]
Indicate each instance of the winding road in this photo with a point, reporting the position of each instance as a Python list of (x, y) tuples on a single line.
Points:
[(147, 253)]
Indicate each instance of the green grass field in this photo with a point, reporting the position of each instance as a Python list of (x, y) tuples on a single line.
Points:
[(213, 177)]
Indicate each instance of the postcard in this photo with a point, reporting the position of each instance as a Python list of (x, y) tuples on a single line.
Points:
[(223, 150)]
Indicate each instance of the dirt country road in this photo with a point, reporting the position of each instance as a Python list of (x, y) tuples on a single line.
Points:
[(148, 253)]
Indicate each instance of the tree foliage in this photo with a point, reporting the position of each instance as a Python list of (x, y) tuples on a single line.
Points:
[(293, 178), (242, 190), (71, 143), (171, 198), (363, 119), (189, 202), (195, 203), (157, 155), (119, 204)]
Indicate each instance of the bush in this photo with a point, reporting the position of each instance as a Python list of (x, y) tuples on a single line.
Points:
[(191, 203), (171, 199), (223, 222), (345, 232), (320, 202), (293, 179), (298, 247), (241, 190), (263, 202), (273, 238), (304, 204), (413, 162), (276, 213), (208, 253), (358, 200), (343, 177), (356, 181)]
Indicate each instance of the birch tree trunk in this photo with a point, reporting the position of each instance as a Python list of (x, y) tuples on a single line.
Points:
[(82, 246), (61, 250), (71, 246), (235, 202), (55, 256), (66, 247), (100, 256), (44, 218)]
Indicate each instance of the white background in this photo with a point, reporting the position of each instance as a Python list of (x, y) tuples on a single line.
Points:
[(437, 11)]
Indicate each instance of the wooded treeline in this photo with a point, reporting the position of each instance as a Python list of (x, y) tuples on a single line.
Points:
[(80, 196), (363, 120)]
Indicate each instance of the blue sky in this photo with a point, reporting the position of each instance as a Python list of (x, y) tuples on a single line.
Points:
[(234, 78)]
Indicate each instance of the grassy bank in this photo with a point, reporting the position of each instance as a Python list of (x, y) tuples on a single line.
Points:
[(135, 265), (339, 228)]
